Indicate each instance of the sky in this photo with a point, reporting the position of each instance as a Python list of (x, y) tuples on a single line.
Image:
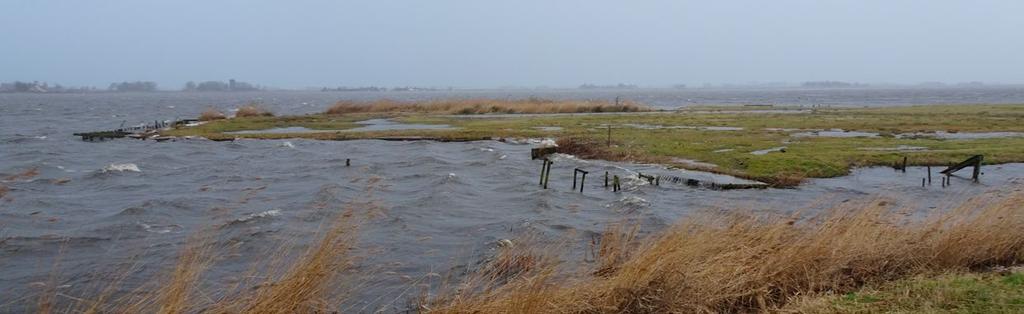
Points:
[(527, 43)]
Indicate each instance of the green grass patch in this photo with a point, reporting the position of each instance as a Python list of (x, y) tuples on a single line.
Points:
[(664, 136), (950, 293)]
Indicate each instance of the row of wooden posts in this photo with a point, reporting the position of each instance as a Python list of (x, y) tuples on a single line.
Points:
[(974, 161), (581, 176)]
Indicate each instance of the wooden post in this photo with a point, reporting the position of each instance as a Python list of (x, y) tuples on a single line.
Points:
[(547, 174), (922, 182), (542, 167), (977, 170), (582, 180), (929, 175), (606, 179), (574, 171), (904, 167), (348, 162), (615, 184)]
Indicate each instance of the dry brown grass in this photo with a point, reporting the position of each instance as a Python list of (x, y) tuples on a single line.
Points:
[(306, 285), (212, 114), (728, 262), (252, 110), (484, 106)]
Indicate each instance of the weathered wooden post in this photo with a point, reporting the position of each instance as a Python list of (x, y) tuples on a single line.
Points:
[(606, 179), (583, 180), (542, 169), (977, 169), (615, 184), (904, 167), (574, 172), (922, 182), (929, 175), (547, 174), (348, 162)]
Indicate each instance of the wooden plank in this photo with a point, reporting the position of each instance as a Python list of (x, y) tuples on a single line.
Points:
[(973, 161)]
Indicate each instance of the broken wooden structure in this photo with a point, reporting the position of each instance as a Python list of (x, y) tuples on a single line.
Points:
[(973, 161)]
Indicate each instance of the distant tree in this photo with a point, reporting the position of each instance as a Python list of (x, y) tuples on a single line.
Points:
[(190, 86), (137, 86)]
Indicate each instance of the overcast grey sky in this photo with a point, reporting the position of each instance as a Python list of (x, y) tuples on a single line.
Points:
[(475, 43)]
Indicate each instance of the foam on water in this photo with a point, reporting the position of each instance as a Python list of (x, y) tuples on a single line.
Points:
[(129, 167)]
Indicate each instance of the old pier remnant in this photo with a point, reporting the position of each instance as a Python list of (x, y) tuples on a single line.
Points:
[(583, 179), (973, 161)]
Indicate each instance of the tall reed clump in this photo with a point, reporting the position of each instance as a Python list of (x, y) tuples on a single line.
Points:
[(252, 110), (484, 106), (306, 285), (738, 263), (309, 283), (211, 114)]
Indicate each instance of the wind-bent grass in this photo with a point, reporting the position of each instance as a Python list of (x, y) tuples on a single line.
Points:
[(252, 110), (212, 114), (483, 106), (305, 286), (728, 262)]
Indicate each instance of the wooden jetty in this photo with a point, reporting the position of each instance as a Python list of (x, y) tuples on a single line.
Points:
[(140, 132)]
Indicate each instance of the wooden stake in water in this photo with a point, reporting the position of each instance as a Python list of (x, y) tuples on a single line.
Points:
[(904, 167), (582, 180), (929, 175), (606, 179), (547, 174), (348, 162), (542, 169)]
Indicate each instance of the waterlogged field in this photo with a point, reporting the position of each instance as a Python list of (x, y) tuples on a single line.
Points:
[(283, 225), (781, 146)]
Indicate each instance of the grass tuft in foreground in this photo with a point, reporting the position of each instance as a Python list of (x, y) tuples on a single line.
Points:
[(729, 263), (483, 106)]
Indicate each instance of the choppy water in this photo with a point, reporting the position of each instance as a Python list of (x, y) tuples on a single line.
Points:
[(89, 214)]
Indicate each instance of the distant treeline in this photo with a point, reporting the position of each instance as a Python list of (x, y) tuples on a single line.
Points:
[(41, 87), (218, 86), (616, 86), (381, 89), (831, 84), (136, 86)]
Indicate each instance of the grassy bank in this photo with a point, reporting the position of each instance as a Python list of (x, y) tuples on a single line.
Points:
[(723, 136), (990, 292), (741, 263)]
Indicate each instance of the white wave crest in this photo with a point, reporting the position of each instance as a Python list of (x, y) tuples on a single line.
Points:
[(269, 213), (122, 168)]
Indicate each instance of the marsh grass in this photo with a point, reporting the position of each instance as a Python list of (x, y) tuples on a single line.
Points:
[(483, 106), (252, 110), (743, 262), (212, 114)]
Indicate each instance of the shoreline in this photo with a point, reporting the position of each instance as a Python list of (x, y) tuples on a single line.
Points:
[(779, 146)]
